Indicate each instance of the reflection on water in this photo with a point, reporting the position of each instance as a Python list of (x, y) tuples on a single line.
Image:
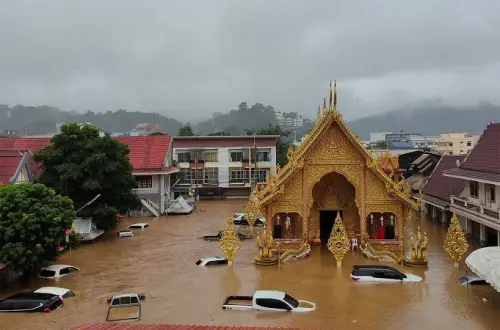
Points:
[(160, 262)]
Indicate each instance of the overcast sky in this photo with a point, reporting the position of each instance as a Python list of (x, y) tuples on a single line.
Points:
[(188, 59)]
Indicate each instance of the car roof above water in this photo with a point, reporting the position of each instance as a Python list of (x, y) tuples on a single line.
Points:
[(273, 294), (31, 296), (356, 267)]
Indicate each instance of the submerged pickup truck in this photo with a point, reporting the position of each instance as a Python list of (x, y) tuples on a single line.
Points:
[(267, 300)]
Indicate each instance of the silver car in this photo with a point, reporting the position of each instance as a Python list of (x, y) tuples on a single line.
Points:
[(471, 280)]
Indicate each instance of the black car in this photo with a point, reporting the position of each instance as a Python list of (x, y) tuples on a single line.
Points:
[(219, 236), (380, 273), (30, 303)]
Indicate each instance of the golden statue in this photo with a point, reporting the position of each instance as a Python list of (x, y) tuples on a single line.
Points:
[(339, 242), (264, 243), (230, 241), (417, 258), (455, 242)]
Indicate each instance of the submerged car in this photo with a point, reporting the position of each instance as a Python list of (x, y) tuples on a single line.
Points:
[(471, 280), (212, 261), (219, 236), (141, 225), (61, 292), (31, 303), (239, 219), (56, 271), (268, 300), (125, 233), (379, 273)]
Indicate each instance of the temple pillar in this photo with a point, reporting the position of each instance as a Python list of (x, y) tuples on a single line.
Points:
[(444, 217), (468, 226), (361, 203), (306, 206), (482, 234), (498, 237)]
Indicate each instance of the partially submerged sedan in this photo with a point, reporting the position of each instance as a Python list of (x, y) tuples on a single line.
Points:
[(61, 292), (57, 271), (30, 303), (381, 274)]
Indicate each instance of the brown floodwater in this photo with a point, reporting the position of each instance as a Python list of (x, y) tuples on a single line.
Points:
[(160, 262)]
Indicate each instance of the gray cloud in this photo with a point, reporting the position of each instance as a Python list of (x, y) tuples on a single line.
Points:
[(189, 58)]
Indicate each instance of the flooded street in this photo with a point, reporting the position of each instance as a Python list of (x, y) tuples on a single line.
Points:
[(160, 262)]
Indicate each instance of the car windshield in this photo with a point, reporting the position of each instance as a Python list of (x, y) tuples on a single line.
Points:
[(47, 273), (292, 301), (68, 294)]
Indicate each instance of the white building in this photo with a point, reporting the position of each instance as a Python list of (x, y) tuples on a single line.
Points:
[(478, 204), (456, 143), (223, 166)]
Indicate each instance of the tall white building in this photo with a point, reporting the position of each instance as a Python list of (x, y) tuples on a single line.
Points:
[(223, 166)]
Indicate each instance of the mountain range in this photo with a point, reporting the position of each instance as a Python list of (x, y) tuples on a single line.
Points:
[(428, 119)]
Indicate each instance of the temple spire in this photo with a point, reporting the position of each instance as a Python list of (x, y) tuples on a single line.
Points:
[(319, 112), (335, 94), (330, 101)]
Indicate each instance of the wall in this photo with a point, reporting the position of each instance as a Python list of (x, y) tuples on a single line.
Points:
[(482, 198), (458, 141)]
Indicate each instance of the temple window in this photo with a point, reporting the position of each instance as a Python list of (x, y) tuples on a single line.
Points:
[(287, 226), (381, 226)]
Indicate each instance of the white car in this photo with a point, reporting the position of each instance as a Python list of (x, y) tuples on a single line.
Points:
[(268, 300), (140, 225), (61, 292), (125, 233), (239, 219), (382, 274), (57, 271), (212, 261), (471, 280)]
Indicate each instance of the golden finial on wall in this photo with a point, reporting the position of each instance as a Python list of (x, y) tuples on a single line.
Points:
[(455, 242), (230, 241), (338, 243)]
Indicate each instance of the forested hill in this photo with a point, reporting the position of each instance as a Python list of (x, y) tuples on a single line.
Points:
[(43, 119), (430, 119)]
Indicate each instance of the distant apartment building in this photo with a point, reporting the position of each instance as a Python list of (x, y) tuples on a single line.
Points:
[(456, 143), (144, 129), (417, 140), (223, 166), (378, 136)]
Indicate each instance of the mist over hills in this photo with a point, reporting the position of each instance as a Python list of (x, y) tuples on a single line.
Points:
[(426, 118)]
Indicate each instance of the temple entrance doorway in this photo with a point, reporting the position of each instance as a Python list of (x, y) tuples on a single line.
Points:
[(326, 221)]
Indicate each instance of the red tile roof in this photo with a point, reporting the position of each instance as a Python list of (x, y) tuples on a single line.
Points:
[(147, 153), (225, 141), (440, 186), (9, 163), (123, 326), (485, 156)]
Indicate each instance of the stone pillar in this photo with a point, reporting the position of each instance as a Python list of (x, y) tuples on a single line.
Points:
[(482, 234), (162, 193), (468, 226), (444, 217), (498, 237)]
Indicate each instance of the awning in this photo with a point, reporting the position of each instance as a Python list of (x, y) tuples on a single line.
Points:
[(485, 263)]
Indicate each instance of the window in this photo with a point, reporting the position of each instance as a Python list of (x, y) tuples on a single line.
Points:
[(292, 301), (490, 192), (64, 271), (236, 156), (47, 273), (197, 176), (263, 156), (238, 176), (184, 157), (211, 176), (144, 181), (259, 175), (473, 189), (272, 303), (185, 176), (469, 143), (450, 144), (211, 156)]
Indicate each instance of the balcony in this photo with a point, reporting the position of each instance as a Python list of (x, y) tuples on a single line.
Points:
[(145, 191), (477, 212)]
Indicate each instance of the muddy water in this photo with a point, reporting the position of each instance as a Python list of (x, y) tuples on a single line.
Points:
[(160, 262)]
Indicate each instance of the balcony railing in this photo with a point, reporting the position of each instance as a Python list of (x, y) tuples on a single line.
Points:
[(475, 208), (145, 191)]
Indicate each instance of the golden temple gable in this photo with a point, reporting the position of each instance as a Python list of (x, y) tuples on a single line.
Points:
[(332, 172)]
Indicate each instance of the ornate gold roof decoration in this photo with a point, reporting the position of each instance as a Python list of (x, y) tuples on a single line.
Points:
[(252, 211), (338, 243), (230, 241), (455, 242), (417, 258), (330, 115)]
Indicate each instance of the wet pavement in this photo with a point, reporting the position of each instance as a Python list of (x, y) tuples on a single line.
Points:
[(160, 262)]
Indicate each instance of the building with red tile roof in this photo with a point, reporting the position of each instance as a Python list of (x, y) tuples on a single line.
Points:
[(128, 326), (439, 188), (478, 204), (150, 157), (223, 166), (15, 166)]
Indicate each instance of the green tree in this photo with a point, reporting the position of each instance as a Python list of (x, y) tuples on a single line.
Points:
[(81, 164), (186, 130), (221, 133), (284, 141), (33, 220)]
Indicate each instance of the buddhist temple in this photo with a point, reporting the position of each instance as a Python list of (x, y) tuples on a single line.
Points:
[(332, 172)]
